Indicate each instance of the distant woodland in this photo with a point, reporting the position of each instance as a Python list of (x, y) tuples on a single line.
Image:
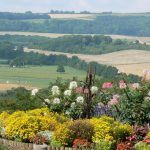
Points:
[(103, 24)]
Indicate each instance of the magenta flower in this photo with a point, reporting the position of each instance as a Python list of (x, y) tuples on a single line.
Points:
[(107, 85)]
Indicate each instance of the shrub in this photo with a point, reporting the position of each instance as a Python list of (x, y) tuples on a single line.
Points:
[(79, 128), (121, 131)]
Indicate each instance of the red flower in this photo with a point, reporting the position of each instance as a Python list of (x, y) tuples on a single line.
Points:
[(81, 143), (107, 85)]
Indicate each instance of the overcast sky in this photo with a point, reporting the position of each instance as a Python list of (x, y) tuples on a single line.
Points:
[(76, 5)]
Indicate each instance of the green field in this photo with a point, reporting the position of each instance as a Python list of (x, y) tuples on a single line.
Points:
[(38, 76)]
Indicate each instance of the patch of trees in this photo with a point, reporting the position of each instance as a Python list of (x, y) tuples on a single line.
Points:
[(21, 16), (87, 44), (103, 24), (18, 99)]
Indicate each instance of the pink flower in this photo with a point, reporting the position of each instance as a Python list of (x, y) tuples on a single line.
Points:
[(116, 96), (80, 90), (107, 85), (113, 102), (122, 84), (135, 85)]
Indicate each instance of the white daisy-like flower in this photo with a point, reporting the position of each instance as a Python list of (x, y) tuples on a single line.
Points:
[(67, 93), (73, 105), (80, 99), (55, 90), (56, 101), (34, 92), (73, 85), (47, 101), (94, 89)]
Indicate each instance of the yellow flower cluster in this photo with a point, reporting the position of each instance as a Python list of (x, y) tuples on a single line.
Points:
[(3, 117), (105, 128), (148, 135), (24, 125), (62, 133)]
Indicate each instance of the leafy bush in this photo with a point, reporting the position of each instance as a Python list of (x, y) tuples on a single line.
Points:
[(121, 131), (79, 128)]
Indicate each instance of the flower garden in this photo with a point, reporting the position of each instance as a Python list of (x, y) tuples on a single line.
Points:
[(84, 115)]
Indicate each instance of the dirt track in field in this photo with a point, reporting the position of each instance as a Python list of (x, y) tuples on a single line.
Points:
[(8, 86)]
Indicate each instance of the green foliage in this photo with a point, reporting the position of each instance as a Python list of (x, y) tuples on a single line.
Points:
[(142, 146), (133, 106), (2, 147), (60, 68), (18, 99), (103, 145)]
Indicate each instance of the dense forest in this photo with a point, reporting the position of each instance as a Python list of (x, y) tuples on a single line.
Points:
[(103, 24), (17, 57), (87, 44), (20, 16)]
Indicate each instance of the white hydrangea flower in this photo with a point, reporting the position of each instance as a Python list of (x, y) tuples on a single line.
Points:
[(47, 101), (80, 99), (94, 89), (73, 85), (67, 93), (55, 90), (73, 105), (56, 101), (34, 91)]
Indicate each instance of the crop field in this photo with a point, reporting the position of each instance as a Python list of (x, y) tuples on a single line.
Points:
[(128, 61), (73, 16), (34, 76)]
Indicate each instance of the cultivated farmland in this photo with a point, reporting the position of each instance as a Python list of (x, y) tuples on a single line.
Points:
[(73, 16), (129, 61)]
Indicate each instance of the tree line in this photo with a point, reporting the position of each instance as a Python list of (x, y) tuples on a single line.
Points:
[(21, 16), (87, 44)]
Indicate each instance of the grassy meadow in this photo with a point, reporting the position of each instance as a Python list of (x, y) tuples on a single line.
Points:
[(37, 76)]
